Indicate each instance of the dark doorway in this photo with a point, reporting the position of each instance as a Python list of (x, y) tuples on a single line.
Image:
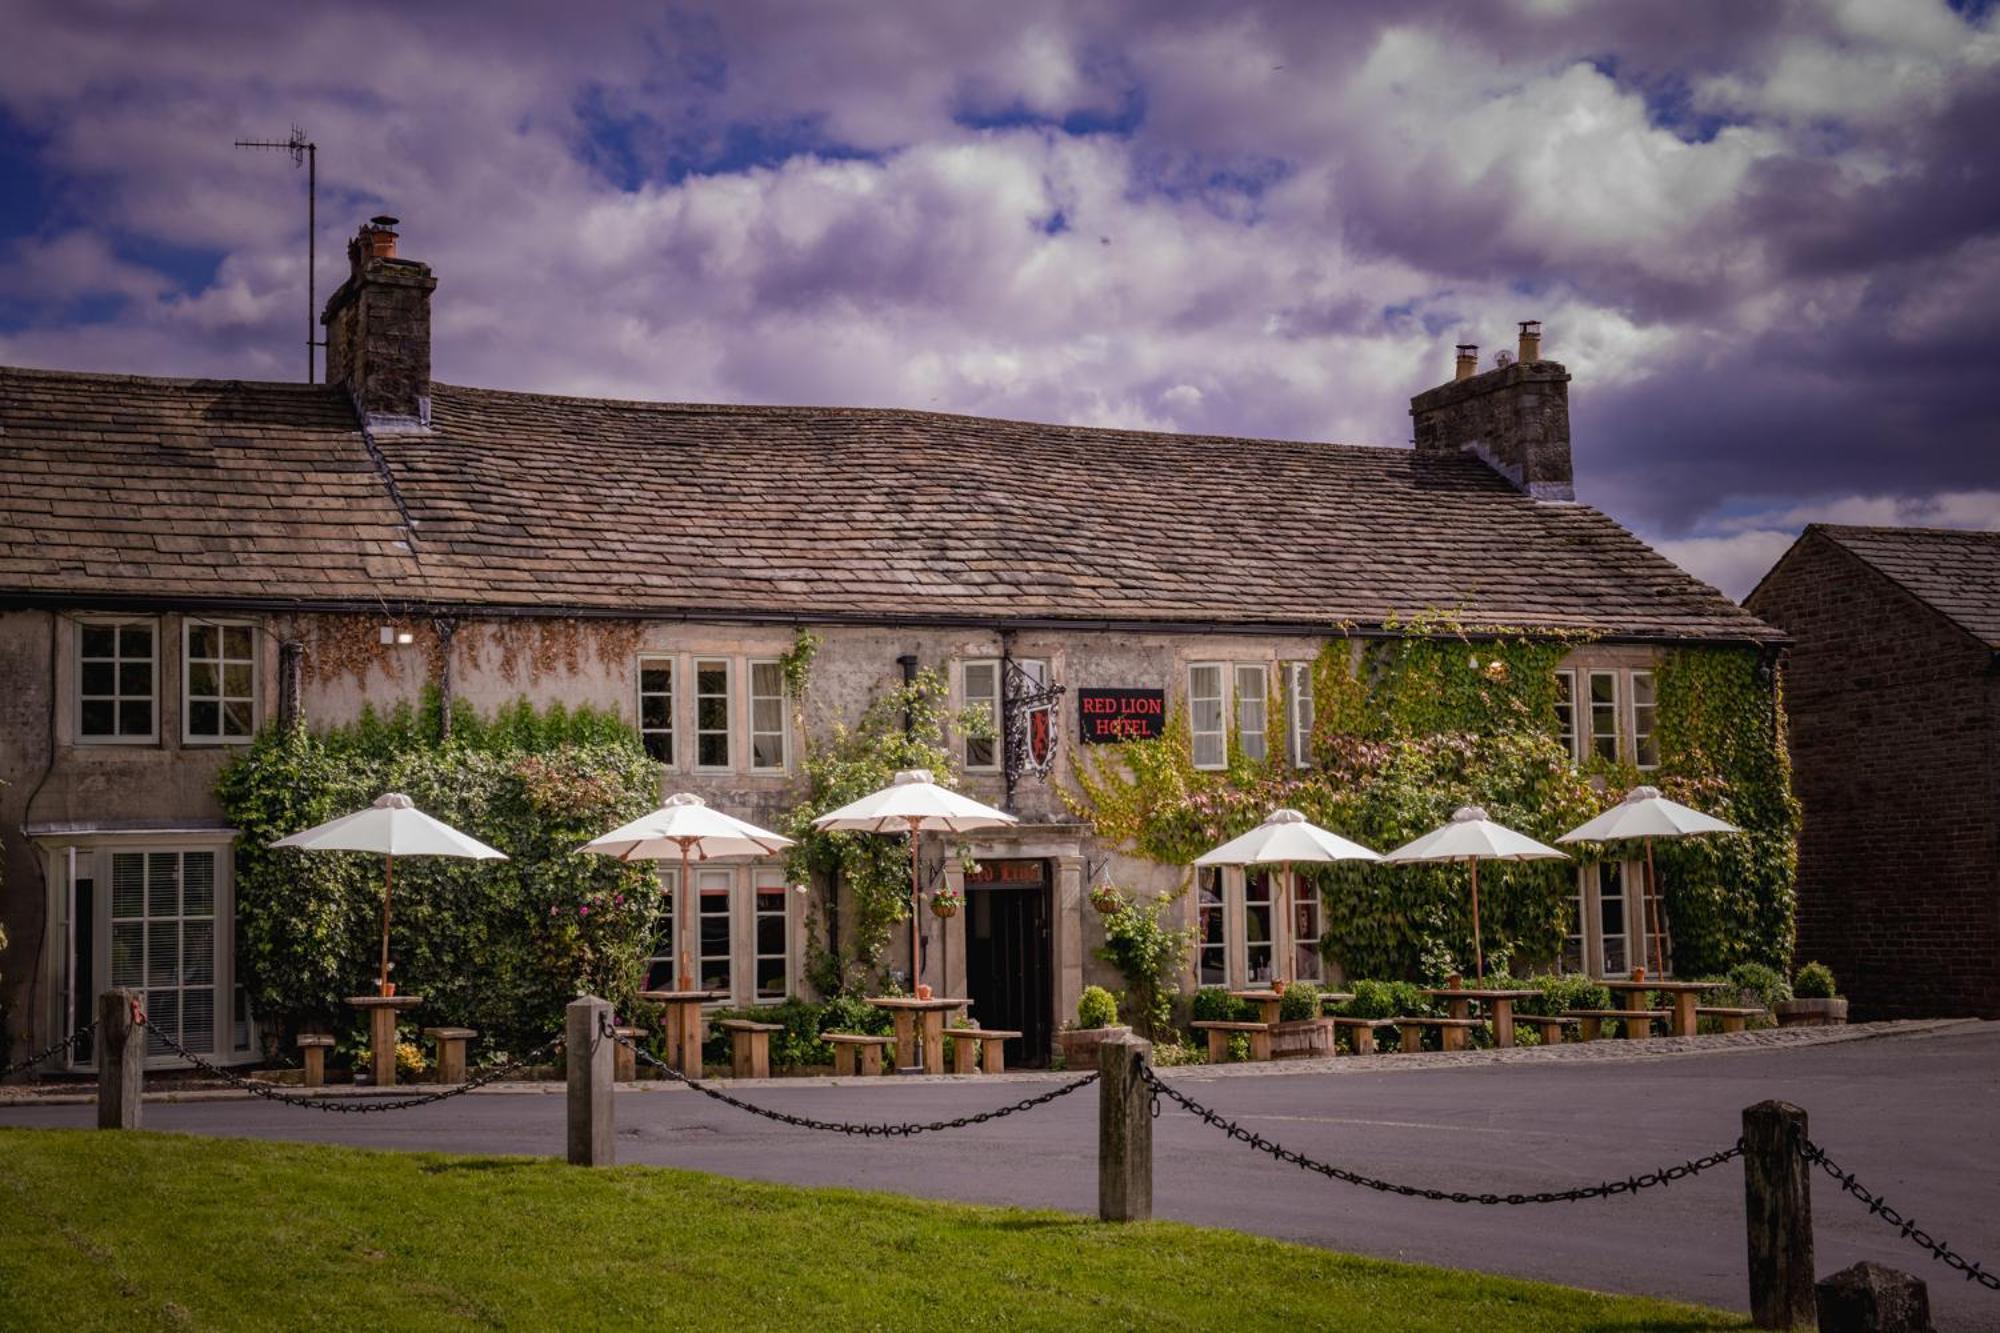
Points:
[(1008, 955)]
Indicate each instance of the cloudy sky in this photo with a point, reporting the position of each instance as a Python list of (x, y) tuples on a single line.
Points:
[(1764, 237)]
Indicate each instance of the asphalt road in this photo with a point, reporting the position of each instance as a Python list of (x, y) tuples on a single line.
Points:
[(1916, 1118)]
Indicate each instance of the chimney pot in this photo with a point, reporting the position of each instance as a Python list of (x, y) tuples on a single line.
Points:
[(1531, 340), (1468, 361), (378, 327)]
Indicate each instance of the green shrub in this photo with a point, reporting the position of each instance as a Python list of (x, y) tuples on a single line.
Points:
[(1386, 999), (1560, 994), (1149, 955), (797, 1047), (1239, 1049), (1214, 1004), (1814, 981), (1096, 1009), (1301, 1001), (851, 1013), (1759, 985)]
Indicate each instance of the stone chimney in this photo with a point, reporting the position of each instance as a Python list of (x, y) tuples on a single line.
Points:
[(1514, 417), (378, 332)]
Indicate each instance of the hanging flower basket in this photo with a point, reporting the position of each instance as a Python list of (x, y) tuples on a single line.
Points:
[(1106, 898), (946, 902)]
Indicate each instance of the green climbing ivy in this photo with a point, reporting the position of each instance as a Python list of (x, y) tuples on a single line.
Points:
[(1408, 729)]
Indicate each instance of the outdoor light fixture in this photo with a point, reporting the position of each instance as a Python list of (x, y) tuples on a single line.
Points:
[(392, 635)]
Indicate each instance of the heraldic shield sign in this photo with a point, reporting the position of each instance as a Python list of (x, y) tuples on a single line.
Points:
[(1030, 720)]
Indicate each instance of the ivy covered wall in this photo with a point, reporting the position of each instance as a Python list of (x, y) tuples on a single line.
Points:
[(1407, 730)]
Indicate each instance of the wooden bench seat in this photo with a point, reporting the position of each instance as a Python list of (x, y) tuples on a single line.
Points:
[(850, 1047), (313, 1046), (988, 1045), (1549, 1027), (1732, 1020), (1356, 1029), (451, 1052), (1451, 1031), (1638, 1022), (1220, 1032), (749, 1046), (624, 1062)]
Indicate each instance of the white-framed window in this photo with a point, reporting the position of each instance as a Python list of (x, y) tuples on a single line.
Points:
[(714, 898), (1566, 713), (1259, 951), (1645, 745), (118, 681), (771, 945), (1253, 706), (1575, 954), (1606, 935), (979, 688), (1207, 718), (164, 942), (712, 713), (770, 747), (218, 682), (1299, 712), (660, 963), (1604, 712), (1614, 923), (1306, 930), (1212, 965), (656, 708)]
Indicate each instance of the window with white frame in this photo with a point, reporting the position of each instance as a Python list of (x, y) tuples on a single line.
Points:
[(1604, 715), (1207, 720), (769, 750), (1305, 930), (1299, 712), (117, 680), (772, 945), (660, 964), (1613, 920), (1645, 746), (1566, 713), (218, 682), (1253, 703), (1212, 913), (1575, 954), (1605, 938), (1258, 918), (656, 707), (711, 713), (713, 900), (164, 943), (979, 688)]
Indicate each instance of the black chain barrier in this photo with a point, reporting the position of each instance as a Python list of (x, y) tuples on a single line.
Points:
[(1911, 1232), (1257, 1142), (346, 1105), (892, 1131), (54, 1048)]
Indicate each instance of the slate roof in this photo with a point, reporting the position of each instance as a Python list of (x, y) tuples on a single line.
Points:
[(1954, 571), (168, 488)]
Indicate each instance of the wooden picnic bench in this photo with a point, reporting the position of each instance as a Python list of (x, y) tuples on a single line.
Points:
[(749, 1046), (1732, 1020), (1451, 1031), (1220, 1032), (451, 1052), (1356, 1029), (979, 1050), (1638, 1022), (624, 1063), (850, 1047), (1549, 1027), (313, 1046)]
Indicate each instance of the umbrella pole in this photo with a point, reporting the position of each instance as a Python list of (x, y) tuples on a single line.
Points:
[(916, 922), (388, 884), (683, 981), (1656, 910), (1478, 953), (1289, 963)]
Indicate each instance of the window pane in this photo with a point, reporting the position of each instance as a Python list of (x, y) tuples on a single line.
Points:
[(766, 679), (979, 681), (652, 710), (767, 751), (198, 884), (202, 641), (655, 678), (197, 953), (198, 1019), (660, 746), (204, 717), (1604, 714), (1645, 749), (236, 642), (714, 751), (712, 714), (979, 752), (128, 948), (201, 680), (100, 717), (135, 678), (711, 679), (135, 640), (128, 884), (770, 977), (236, 718), (100, 641), (767, 714), (99, 678), (163, 953), (135, 719), (236, 680), (163, 1012), (770, 934), (163, 884)]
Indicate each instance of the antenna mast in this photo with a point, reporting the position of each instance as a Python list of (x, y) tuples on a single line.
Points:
[(304, 153)]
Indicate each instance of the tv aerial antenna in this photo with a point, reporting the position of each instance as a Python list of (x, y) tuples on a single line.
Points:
[(305, 153)]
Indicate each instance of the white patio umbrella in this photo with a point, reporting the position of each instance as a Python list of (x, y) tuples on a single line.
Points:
[(1645, 814), (687, 828), (1285, 839), (913, 803), (391, 827), (1472, 837)]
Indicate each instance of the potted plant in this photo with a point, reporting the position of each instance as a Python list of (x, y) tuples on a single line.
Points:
[(1301, 1029), (1815, 1002), (1096, 1022), (1106, 898), (946, 902)]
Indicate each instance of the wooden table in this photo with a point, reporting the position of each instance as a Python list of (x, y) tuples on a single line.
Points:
[(909, 1012), (1685, 995), (681, 1022), (382, 1011), (1268, 1003), (1499, 1005)]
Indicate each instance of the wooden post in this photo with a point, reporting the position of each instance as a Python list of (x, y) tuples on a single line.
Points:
[(1777, 1214), (590, 1068), (1124, 1131), (121, 1061)]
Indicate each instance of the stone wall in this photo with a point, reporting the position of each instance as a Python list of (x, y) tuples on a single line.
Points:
[(1895, 715), (1515, 417)]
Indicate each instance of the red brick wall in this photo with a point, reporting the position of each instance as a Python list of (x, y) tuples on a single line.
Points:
[(1895, 733)]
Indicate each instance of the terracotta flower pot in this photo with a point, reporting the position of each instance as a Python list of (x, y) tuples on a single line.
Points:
[(1811, 1013)]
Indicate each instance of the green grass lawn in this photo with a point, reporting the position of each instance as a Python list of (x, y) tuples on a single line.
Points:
[(142, 1230)]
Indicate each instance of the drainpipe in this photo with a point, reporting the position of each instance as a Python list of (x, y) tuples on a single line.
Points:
[(291, 683), (445, 627), (908, 661)]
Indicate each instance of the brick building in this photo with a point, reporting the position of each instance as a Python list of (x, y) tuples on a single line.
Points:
[(1893, 691), (183, 560)]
